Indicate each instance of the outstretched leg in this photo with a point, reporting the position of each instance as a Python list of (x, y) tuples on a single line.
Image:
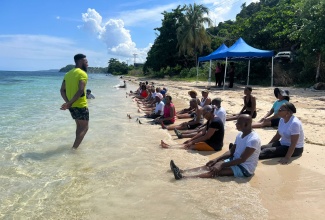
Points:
[(163, 144)]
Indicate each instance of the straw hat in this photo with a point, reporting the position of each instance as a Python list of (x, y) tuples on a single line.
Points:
[(192, 91)]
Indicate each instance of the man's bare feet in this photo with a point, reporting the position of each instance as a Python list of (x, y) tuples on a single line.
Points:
[(163, 144)]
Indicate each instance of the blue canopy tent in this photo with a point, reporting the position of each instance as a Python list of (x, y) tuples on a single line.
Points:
[(223, 48), (241, 50)]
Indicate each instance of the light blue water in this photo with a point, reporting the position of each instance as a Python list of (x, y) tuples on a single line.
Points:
[(118, 172)]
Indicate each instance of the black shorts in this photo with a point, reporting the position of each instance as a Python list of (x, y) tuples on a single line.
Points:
[(249, 113), (275, 122), (194, 126), (79, 113)]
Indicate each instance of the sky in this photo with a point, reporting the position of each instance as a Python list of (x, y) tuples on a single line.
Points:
[(46, 34)]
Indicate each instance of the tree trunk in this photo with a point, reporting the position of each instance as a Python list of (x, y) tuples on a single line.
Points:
[(318, 67)]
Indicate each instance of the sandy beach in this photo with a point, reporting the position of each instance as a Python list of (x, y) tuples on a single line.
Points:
[(293, 191)]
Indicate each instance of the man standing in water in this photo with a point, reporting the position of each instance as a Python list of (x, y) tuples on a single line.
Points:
[(73, 92)]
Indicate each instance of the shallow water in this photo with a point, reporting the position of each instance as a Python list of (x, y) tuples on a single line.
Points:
[(119, 171)]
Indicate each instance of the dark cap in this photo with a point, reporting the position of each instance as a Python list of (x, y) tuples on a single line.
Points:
[(291, 107), (217, 100)]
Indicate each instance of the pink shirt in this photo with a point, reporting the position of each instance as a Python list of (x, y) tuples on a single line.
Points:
[(167, 112)]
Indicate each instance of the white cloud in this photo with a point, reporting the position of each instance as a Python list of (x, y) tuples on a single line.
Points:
[(222, 10), (114, 34), (141, 17), (42, 52), (117, 37)]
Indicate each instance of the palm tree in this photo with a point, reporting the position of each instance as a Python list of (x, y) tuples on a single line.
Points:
[(191, 34)]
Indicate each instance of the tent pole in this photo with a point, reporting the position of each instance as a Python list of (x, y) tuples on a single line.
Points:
[(197, 72), (224, 77), (249, 67), (209, 85), (272, 74)]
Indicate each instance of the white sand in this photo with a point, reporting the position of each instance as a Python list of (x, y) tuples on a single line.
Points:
[(294, 191)]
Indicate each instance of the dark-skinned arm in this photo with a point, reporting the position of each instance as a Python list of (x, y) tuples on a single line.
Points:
[(81, 90)]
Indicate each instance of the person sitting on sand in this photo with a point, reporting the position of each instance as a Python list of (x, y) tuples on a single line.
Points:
[(249, 107), (136, 92), (187, 112), (206, 100), (211, 139), (143, 93), (192, 124), (289, 139), (169, 113), (124, 85), (240, 161), (271, 119), (219, 111), (163, 92), (89, 95), (159, 110)]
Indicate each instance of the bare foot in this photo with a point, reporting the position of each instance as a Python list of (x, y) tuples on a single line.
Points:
[(163, 125), (139, 110), (163, 144)]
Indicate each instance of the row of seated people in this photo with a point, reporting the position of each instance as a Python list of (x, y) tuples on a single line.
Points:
[(241, 158)]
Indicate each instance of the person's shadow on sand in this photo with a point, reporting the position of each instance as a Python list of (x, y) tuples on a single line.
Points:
[(275, 161), (38, 156)]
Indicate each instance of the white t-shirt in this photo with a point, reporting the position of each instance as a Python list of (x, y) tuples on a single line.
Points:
[(221, 113), (292, 127), (252, 141), (153, 95), (160, 106)]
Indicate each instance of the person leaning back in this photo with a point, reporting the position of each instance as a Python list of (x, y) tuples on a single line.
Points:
[(73, 92)]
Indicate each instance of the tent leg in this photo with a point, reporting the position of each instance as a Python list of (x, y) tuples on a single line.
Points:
[(197, 72), (209, 84), (224, 77), (272, 73), (249, 67)]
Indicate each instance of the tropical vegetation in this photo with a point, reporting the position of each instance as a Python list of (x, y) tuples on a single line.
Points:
[(280, 25)]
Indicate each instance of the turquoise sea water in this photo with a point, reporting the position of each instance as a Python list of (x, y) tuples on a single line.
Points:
[(119, 170)]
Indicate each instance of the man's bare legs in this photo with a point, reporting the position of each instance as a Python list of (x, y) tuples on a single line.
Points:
[(178, 173), (82, 128)]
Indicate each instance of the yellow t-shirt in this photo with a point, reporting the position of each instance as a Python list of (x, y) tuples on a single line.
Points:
[(72, 79)]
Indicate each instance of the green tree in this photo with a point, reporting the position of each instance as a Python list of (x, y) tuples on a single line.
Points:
[(163, 52), (191, 35), (310, 31), (115, 67)]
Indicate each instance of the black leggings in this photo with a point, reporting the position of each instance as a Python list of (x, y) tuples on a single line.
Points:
[(277, 150)]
